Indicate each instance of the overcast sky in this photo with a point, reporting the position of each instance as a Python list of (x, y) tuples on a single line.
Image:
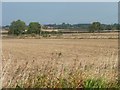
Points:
[(69, 12)]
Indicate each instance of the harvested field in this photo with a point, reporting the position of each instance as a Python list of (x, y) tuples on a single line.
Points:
[(26, 58), (110, 35)]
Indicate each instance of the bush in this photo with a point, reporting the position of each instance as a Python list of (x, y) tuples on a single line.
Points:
[(94, 83)]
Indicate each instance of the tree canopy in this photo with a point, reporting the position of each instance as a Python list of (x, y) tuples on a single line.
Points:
[(17, 27), (34, 27), (95, 27)]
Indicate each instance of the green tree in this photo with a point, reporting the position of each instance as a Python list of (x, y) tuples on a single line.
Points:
[(95, 27), (17, 27), (34, 27), (109, 27), (118, 27)]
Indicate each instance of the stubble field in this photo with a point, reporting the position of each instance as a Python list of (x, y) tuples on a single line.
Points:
[(25, 59)]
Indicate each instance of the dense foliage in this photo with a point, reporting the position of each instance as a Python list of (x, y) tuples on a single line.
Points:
[(19, 27), (34, 27)]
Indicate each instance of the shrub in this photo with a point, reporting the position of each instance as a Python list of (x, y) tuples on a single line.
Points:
[(94, 83)]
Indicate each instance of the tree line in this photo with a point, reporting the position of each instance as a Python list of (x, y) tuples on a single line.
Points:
[(19, 27), (89, 27)]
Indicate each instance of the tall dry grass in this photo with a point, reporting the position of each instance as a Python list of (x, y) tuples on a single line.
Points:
[(56, 74)]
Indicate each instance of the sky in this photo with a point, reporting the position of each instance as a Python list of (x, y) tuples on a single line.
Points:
[(60, 0), (0, 14), (59, 12)]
